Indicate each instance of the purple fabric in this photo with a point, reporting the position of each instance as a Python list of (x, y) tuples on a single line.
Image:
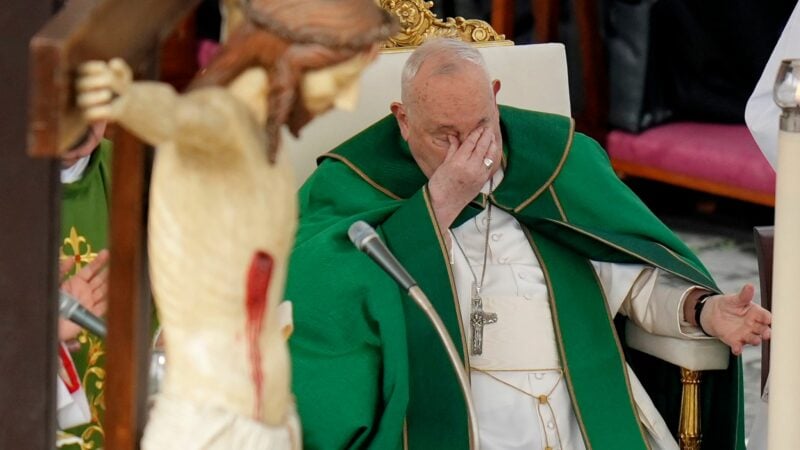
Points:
[(725, 154)]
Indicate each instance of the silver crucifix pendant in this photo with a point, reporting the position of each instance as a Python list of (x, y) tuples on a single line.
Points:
[(478, 318)]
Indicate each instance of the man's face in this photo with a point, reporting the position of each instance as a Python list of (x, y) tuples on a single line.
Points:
[(85, 145), (443, 106)]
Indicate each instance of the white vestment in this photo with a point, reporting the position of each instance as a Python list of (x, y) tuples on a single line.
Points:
[(520, 360), (762, 113)]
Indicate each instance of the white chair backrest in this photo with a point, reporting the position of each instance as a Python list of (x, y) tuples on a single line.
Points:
[(532, 77)]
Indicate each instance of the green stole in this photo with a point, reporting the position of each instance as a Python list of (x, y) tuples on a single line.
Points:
[(84, 232), (570, 216)]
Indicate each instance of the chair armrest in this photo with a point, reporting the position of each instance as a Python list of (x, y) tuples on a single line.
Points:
[(692, 354)]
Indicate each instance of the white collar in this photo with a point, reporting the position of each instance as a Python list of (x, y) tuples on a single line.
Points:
[(75, 172)]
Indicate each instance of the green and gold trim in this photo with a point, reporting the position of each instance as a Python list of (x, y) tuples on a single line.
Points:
[(549, 182), (621, 354), (606, 418), (683, 269), (451, 277), (361, 174), (560, 341)]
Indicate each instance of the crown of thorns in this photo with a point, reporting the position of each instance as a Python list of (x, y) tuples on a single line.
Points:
[(383, 31)]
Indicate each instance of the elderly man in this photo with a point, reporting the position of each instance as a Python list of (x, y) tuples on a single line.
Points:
[(528, 246)]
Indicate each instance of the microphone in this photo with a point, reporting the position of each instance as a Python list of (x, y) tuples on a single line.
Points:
[(367, 240), (71, 309)]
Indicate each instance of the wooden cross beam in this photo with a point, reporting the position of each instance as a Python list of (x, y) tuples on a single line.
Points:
[(84, 30), (102, 29)]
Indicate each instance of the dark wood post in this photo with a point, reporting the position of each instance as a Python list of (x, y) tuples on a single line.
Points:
[(29, 193)]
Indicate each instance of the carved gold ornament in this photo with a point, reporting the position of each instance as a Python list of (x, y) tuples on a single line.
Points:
[(418, 23)]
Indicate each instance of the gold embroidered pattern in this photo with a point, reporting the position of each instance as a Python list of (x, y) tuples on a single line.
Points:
[(93, 381), (78, 248)]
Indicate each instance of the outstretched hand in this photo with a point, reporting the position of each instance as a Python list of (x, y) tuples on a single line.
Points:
[(736, 320), (90, 287)]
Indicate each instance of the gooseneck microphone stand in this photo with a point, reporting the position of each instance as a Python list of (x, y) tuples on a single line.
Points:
[(367, 240)]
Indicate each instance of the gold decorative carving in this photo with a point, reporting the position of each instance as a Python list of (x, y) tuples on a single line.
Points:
[(690, 436), (418, 23)]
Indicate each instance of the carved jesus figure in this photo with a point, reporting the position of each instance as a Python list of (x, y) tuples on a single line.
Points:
[(223, 210)]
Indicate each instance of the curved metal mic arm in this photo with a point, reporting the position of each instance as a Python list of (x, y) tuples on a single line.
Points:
[(422, 301)]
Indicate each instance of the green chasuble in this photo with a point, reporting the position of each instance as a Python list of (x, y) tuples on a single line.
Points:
[(84, 232), (368, 368)]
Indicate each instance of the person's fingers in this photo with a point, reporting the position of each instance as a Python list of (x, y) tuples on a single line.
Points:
[(753, 339), (761, 315), (94, 267), (64, 267), (452, 148), (99, 280), (73, 345), (100, 290), (484, 145), (766, 334), (758, 327), (468, 146), (100, 306), (745, 295)]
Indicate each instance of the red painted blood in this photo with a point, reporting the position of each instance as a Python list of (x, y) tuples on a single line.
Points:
[(258, 279)]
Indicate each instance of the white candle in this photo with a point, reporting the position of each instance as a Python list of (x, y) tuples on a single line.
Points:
[(784, 399)]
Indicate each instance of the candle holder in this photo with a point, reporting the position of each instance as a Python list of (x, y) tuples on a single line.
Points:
[(787, 95), (784, 358)]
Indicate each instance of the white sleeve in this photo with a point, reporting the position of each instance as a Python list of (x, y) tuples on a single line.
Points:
[(650, 297), (761, 113), (72, 409)]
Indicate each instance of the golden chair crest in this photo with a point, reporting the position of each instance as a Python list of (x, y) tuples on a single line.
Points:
[(418, 23)]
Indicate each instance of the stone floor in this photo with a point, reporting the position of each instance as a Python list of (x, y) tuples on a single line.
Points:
[(722, 237)]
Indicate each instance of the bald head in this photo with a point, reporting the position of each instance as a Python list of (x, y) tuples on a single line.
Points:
[(440, 56)]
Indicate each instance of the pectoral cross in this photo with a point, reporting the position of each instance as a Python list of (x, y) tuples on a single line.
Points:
[(477, 319)]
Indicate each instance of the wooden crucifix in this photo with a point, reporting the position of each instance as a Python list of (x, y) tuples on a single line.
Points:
[(102, 29)]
